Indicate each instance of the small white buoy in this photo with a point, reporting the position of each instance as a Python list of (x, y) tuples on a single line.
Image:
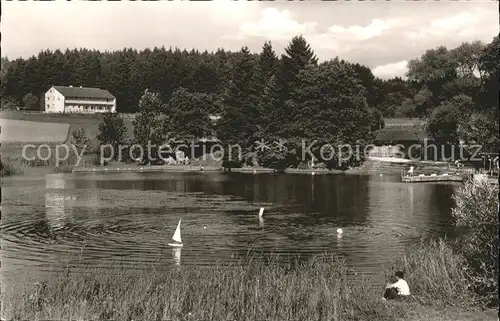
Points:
[(313, 173), (204, 226), (339, 231), (381, 174), (255, 171), (261, 212)]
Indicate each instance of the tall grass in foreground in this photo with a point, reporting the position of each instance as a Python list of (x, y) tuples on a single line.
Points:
[(322, 288)]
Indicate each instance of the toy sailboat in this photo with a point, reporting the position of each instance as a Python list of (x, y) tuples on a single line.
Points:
[(177, 236)]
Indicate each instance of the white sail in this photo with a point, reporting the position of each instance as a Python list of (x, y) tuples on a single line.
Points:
[(177, 234), (261, 212)]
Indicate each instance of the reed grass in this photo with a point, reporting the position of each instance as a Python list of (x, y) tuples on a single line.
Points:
[(252, 288)]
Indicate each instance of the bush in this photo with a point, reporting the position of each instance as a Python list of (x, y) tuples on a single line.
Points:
[(81, 140), (228, 164), (476, 210), (112, 131), (9, 167), (273, 158)]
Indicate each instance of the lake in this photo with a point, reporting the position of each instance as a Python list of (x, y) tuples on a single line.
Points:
[(130, 217)]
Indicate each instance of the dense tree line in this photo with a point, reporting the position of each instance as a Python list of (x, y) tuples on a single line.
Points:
[(263, 98), (269, 97), (126, 73), (458, 93)]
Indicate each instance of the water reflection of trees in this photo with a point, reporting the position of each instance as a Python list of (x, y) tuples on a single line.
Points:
[(384, 213), (68, 201), (422, 207), (397, 214), (55, 200), (303, 202), (307, 209)]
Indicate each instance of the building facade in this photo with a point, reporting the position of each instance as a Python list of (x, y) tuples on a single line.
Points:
[(61, 99), (399, 138)]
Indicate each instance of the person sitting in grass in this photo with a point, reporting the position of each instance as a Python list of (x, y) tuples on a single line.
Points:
[(398, 290)]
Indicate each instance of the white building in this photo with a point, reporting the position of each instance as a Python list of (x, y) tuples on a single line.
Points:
[(60, 99)]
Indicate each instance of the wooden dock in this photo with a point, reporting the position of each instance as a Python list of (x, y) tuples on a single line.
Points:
[(433, 178)]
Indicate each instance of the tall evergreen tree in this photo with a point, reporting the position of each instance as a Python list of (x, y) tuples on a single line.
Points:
[(149, 125), (189, 114), (267, 63), (270, 123), (368, 80), (204, 77), (298, 54), (238, 122), (264, 87)]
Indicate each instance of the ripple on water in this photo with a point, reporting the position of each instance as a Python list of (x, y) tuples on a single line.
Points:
[(111, 219)]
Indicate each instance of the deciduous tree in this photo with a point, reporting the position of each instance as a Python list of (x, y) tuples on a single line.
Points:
[(150, 126), (113, 132)]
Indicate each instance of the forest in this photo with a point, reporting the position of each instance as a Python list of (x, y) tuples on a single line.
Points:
[(268, 96)]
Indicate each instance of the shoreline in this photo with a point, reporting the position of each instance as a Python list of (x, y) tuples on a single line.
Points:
[(192, 168), (384, 167)]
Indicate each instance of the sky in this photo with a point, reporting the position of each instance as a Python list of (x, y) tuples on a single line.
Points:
[(381, 35)]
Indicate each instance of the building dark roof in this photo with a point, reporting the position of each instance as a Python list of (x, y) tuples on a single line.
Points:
[(402, 130), (399, 134), (84, 92)]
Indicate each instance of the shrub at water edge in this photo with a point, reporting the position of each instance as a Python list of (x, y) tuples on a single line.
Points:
[(476, 210)]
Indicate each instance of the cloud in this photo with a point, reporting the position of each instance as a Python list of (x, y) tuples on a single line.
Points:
[(383, 40), (26, 26), (274, 24), (461, 20), (381, 35), (358, 33), (391, 70), (281, 25), (461, 26)]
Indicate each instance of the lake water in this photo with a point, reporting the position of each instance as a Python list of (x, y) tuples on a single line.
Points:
[(130, 218)]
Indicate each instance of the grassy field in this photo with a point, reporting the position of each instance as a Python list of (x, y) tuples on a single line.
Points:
[(21, 128), (255, 289), (32, 132), (89, 122)]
